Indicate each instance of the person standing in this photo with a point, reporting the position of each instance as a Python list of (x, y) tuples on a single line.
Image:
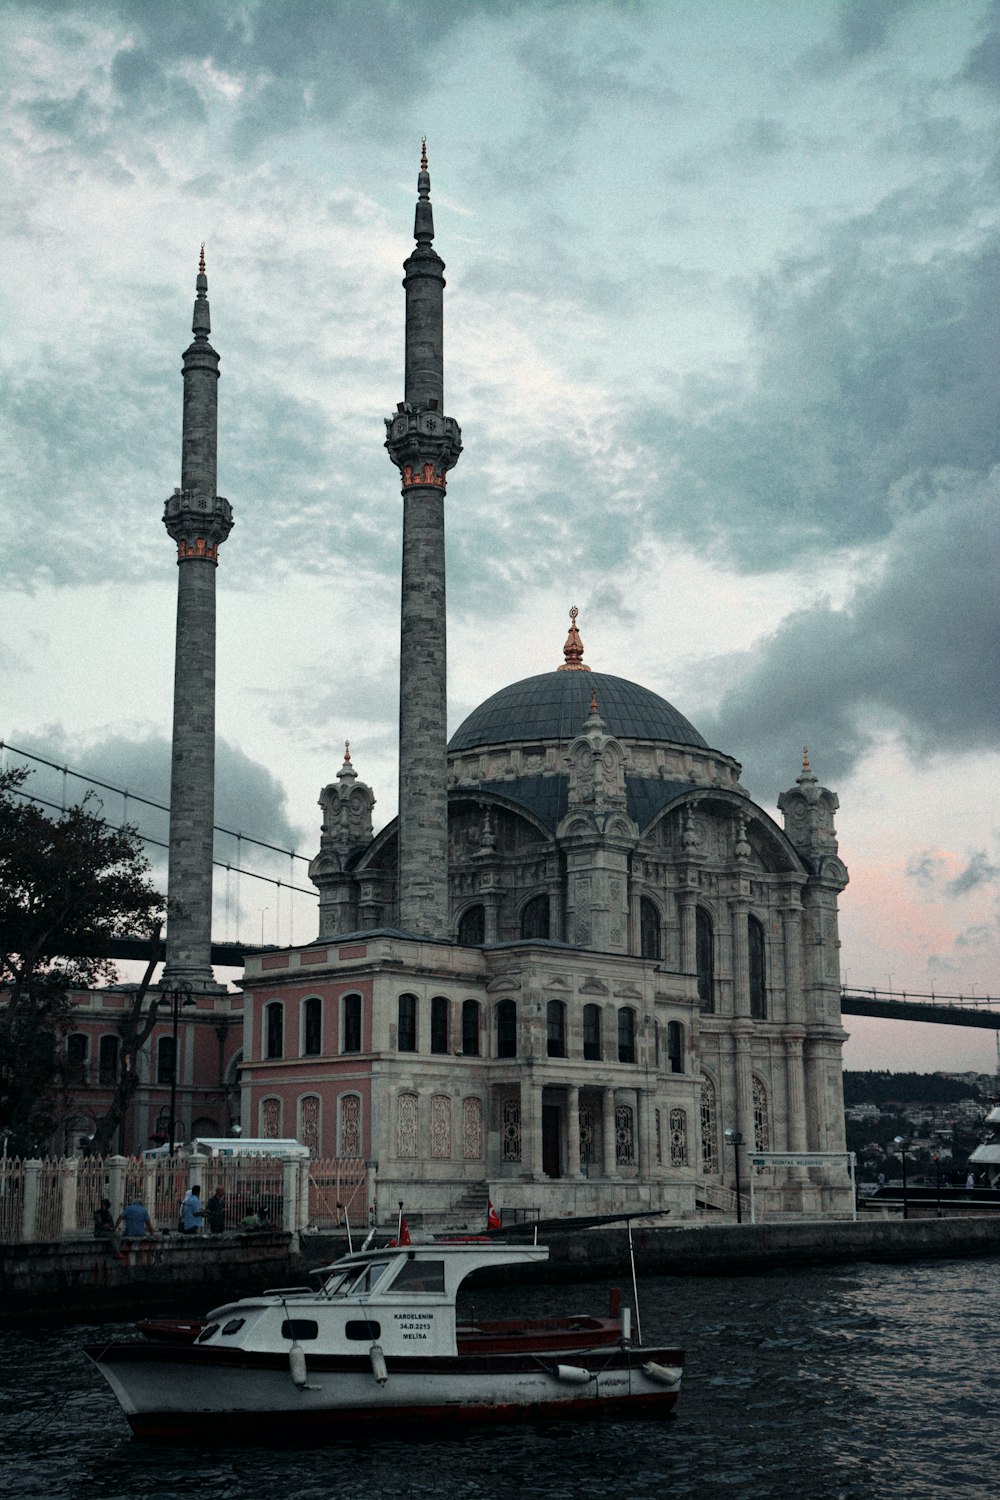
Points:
[(191, 1211), (215, 1211)]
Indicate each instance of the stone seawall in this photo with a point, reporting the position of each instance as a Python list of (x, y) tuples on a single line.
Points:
[(78, 1278)]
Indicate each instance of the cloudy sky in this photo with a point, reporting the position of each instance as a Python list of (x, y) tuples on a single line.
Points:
[(722, 332)]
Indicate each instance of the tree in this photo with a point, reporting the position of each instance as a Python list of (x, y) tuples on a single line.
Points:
[(68, 886)]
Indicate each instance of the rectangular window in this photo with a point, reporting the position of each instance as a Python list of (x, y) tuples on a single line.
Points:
[(592, 1033), (313, 1027), (626, 1035), (406, 1035), (439, 1024)]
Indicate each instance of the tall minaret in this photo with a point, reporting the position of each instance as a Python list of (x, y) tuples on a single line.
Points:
[(199, 521), (423, 444)]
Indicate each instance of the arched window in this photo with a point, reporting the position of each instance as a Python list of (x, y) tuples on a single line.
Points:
[(406, 1125), (704, 943), (164, 1059), (270, 1119), (107, 1066), (761, 1124), (439, 1024), (624, 1135), (649, 928), (535, 918), (274, 1029), (472, 927), (472, 1129), (309, 1117), (470, 1028), (507, 1029), (406, 1033), (709, 1129), (349, 1126), (350, 1009), (77, 1048), (441, 1126), (678, 1138), (626, 1034), (675, 1046), (592, 1033), (555, 1016), (312, 1027), (758, 970)]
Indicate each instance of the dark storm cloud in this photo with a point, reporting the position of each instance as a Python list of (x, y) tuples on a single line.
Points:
[(980, 871), (915, 651), (248, 798)]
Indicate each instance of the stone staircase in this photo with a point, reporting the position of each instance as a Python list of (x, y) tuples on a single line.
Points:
[(469, 1211)]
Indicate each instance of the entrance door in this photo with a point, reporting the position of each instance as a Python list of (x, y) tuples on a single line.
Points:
[(551, 1140)]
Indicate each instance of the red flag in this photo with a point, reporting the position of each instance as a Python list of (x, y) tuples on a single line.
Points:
[(492, 1217), (404, 1233)]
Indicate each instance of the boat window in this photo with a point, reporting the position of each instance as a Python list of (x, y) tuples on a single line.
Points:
[(355, 1328), (299, 1328), (206, 1333), (360, 1280), (233, 1326), (420, 1276)]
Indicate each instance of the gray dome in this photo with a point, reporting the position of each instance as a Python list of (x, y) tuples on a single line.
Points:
[(554, 705)]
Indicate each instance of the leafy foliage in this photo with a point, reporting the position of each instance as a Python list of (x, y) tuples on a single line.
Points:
[(905, 1088), (67, 887)]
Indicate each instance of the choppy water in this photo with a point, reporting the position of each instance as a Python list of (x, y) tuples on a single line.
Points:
[(872, 1381)]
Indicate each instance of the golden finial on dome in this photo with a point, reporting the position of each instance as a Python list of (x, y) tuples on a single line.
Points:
[(201, 262), (423, 155), (347, 750), (805, 757), (593, 702), (573, 649)]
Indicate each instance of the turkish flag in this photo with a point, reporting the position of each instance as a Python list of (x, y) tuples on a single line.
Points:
[(492, 1217)]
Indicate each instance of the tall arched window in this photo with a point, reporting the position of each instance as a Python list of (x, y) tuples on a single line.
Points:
[(349, 1126), (274, 1029), (107, 1066), (675, 1046), (704, 944), (309, 1118), (592, 1033), (649, 928), (470, 1028), (507, 1028), (270, 1119), (555, 1017), (406, 1033), (761, 1124), (758, 969), (350, 1007), (312, 1027), (164, 1059), (439, 1024), (472, 927), (77, 1050), (626, 1034), (535, 918), (709, 1129)]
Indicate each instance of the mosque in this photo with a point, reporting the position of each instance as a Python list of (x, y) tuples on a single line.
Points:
[(581, 960)]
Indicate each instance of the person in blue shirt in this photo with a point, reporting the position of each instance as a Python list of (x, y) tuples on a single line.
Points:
[(192, 1211), (136, 1220)]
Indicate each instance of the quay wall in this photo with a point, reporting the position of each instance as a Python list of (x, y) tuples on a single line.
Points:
[(81, 1278)]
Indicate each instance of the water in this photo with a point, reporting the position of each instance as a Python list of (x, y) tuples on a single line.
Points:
[(870, 1381)]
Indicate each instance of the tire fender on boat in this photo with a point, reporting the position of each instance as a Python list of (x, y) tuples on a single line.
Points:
[(379, 1369), (297, 1366), (572, 1374), (664, 1374)]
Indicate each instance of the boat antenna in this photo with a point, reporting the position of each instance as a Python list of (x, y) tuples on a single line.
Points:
[(635, 1285), (347, 1221), (399, 1224)]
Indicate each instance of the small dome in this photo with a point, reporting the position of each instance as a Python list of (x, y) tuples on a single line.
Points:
[(554, 705)]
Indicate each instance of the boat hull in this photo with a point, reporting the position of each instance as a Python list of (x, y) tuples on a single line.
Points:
[(169, 1392)]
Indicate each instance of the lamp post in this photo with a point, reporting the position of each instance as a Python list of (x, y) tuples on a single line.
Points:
[(180, 995), (901, 1145), (735, 1139)]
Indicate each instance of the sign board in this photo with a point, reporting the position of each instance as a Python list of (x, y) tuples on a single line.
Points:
[(794, 1159)]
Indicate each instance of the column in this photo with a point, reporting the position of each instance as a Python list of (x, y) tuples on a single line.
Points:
[(573, 1131), (608, 1133)]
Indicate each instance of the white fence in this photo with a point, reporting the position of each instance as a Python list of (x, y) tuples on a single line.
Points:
[(52, 1199)]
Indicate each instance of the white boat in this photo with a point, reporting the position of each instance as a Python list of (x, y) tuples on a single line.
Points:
[(380, 1343)]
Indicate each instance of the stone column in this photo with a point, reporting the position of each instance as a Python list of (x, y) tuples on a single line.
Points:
[(797, 1132), (643, 1142), (744, 1087), (573, 1132), (738, 911), (791, 920), (608, 1133)]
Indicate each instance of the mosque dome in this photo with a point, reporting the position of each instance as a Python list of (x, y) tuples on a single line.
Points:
[(554, 706)]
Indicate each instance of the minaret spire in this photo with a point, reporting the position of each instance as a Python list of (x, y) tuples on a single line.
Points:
[(199, 521), (423, 444)]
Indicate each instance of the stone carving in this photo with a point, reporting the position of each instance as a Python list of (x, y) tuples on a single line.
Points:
[(350, 1126), (406, 1125), (472, 1129), (441, 1126)]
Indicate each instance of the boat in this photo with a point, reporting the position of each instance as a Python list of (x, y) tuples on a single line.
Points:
[(380, 1344)]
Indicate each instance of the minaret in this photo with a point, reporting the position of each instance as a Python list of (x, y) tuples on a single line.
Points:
[(423, 444), (199, 521)]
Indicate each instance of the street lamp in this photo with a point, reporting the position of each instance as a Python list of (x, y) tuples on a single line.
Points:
[(735, 1140), (180, 995), (901, 1146)]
